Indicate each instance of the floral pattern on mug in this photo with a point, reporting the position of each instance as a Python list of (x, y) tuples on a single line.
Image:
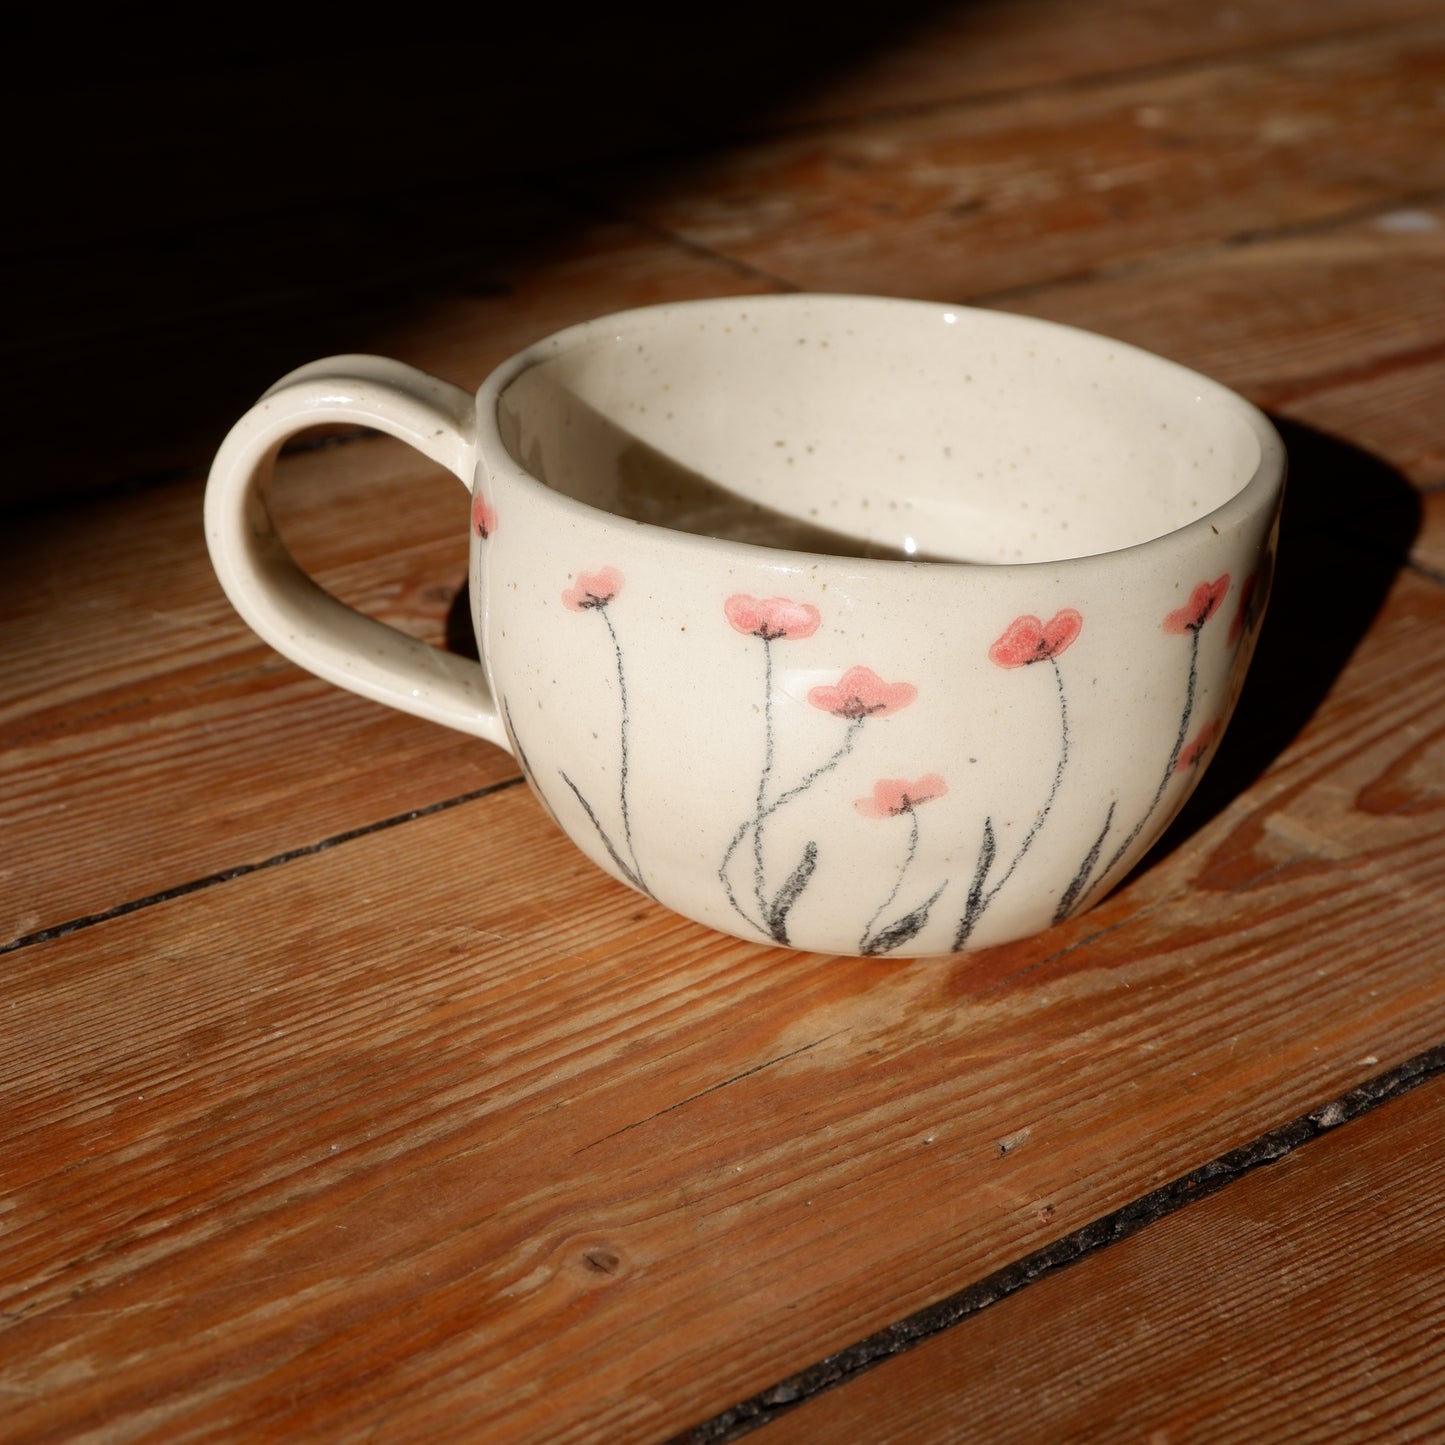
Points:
[(1193, 753), (592, 591), (896, 798), (892, 797), (1253, 598), (595, 592), (484, 517), (1204, 601), (1025, 642), (772, 618), (1242, 613), (858, 695)]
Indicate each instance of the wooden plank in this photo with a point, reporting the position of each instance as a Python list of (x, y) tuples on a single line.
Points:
[(993, 46), (958, 202), (439, 1133), (1392, 414), (1306, 1302)]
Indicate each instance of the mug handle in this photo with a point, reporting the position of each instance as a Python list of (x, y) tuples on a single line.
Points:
[(285, 606)]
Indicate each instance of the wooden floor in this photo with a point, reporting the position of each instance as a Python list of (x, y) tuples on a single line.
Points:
[(341, 1099)]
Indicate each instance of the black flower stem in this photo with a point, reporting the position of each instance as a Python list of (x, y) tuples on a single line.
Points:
[(762, 817), (864, 942), (629, 873), (759, 890), (854, 724), (622, 769), (1043, 812), (979, 899), (1168, 767)]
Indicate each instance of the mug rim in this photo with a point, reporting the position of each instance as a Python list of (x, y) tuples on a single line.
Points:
[(1259, 493)]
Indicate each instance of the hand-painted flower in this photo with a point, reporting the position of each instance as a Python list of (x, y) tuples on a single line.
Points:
[(862, 693), (1191, 755), (771, 617), (593, 589), (1203, 603), (1027, 640), (893, 796), (484, 517)]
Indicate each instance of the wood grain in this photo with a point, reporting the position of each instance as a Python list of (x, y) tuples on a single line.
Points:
[(987, 47), (1304, 1303), (438, 1129), (967, 201)]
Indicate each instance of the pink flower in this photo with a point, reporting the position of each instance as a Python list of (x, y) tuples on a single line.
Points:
[(484, 517), (894, 796), (1203, 603), (862, 693), (1027, 640), (593, 589), (771, 617), (1192, 753)]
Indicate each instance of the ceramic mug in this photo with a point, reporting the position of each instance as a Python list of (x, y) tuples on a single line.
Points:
[(842, 623)]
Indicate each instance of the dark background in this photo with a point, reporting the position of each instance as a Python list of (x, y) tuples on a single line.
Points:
[(205, 200)]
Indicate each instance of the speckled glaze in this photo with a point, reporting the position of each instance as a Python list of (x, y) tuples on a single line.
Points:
[(839, 623)]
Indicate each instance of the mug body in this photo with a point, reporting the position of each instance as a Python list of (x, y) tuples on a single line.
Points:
[(861, 625)]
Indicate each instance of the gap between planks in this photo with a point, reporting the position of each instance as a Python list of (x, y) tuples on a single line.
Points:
[(1112, 1228), (242, 870)]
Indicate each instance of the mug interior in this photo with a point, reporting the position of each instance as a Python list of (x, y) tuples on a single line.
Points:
[(865, 426)]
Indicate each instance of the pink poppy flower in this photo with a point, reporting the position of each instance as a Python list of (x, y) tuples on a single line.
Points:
[(771, 617), (593, 589), (484, 517), (1203, 603), (862, 693), (1027, 640), (894, 796), (1192, 753)]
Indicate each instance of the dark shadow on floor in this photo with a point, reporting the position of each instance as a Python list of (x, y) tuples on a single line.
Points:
[(206, 203)]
